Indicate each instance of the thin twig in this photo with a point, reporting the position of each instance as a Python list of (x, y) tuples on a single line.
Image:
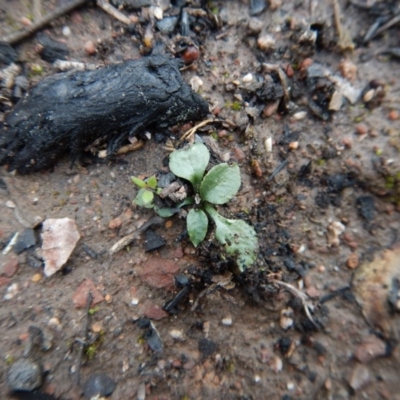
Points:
[(16, 37), (111, 10), (345, 42), (189, 133), (278, 169), (37, 10), (82, 343), (388, 25), (128, 239), (307, 305)]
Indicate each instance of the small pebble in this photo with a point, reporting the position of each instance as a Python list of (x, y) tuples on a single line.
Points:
[(158, 13), (66, 31), (286, 319), (268, 145), (300, 115), (362, 129), (25, 375), (10, 204), (190, 55), (266, 42), (55, 324), (90, 47), (352, 261), (36, 278), (290, 386), (393, 115), (257, 378), (247, 78), (293, 145), (135, 301), (97, 327), (98, 385), (276, 364), (176, 334), (11, 292), (227, 321), (26, 21), (348, 70)]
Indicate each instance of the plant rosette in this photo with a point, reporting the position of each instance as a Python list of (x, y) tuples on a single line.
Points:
[(219, 185)]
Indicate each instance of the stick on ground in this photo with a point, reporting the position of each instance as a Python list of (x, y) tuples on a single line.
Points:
[(17, 37)]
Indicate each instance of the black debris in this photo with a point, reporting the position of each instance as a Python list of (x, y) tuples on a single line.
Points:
[(366, 207), (35, 395), (33, 261), (153, 241), (7, 54), (182, 282), (153, 339), (98, 385), (69, 111), (26, 240), (284, 345), (51, 49), (89, 251), (151, 335), (131, 4), (207, 347)]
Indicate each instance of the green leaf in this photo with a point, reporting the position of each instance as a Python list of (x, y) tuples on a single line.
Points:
[(220, 184), (144, 198), (152, 182), (166, 212), (138, 182), (197, 225), (238, 238), (190, 163)]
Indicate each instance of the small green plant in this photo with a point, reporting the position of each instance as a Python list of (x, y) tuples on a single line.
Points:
[(148, 190), (216, 187)]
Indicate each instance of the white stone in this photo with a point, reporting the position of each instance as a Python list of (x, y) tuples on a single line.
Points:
[(227, 321), (59, 237)]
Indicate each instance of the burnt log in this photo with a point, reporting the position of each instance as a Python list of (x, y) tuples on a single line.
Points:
[(67, 112)]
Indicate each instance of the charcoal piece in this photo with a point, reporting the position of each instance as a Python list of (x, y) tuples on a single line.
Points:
[(153, 339), (7, 54), (24, 374), (366, 207), (131, 4), (207, 347), (35, 395), (69, 111), (153, 241), (26, 240), (52, 50)]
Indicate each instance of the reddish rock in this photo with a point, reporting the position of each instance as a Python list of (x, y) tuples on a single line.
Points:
[(178, 252), (154, 311), (115, 223), (158, 272), (372, 347), (90, 47), (4, 281), (190, 55), (10, 267), (238, 153), (81, 294)]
